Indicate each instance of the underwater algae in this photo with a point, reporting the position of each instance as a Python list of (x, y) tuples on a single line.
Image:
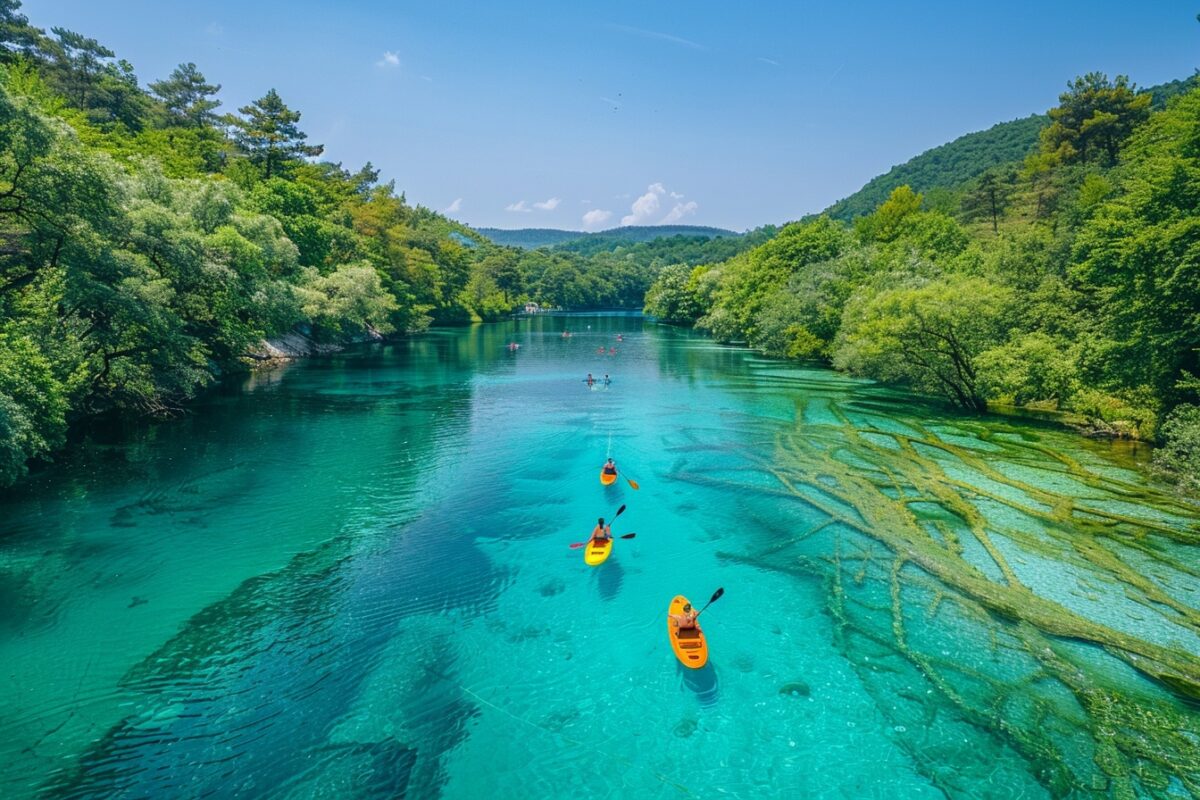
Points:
[(988, 584)]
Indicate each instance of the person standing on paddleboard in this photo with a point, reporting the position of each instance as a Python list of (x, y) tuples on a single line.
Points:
[(590, 380)]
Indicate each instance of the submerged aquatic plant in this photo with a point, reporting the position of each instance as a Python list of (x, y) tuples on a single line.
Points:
[(1020, 608)]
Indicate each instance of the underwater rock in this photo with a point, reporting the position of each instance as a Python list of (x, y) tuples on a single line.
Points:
[(795, 689), (551, 587), (686, 728)]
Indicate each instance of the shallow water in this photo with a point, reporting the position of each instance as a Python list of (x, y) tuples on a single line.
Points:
[(352, 578)]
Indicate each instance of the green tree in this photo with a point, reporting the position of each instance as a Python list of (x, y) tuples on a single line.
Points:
[(349, 300), (267, 132), (927, 335), (989, 197), (81, 61), (188, 97), (1093, 118), (670, 298), (17, 36), (1139, 254), (884, 224), (1179, 458), (748, 279)]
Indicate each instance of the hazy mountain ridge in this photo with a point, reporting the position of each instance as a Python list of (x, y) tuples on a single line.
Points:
[(530, 238)]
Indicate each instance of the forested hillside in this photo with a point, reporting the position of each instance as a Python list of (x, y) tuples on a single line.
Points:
[(946, 166), (529, 238), (1069, 279)]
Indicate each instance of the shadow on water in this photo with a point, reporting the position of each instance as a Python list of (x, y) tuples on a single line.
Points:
[(701, 682), (610, 575)]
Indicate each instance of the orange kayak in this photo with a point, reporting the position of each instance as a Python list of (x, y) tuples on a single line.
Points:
[(606, 479), (596, 553), (689, 645)]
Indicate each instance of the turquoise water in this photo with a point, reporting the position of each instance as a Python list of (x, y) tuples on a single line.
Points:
[(352, 578)]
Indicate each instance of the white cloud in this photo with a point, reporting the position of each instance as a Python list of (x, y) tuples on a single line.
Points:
[(520, 205), (680, 211), (389, 59), (547, 205), (453, 207), (646, 208), (595, 218)]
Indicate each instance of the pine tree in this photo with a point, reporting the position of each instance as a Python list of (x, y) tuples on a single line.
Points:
[(268, 134), (188, 97)]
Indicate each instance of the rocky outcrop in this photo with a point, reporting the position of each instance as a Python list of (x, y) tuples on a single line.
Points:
[(299, 343)]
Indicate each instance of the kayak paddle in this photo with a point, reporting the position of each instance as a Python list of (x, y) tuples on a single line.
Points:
[(577, 545), (716, 596), (620, 511), (632, 483)]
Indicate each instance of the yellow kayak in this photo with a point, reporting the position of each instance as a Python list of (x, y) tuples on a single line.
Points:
[(606, 479), (688, 644), (596, 552)]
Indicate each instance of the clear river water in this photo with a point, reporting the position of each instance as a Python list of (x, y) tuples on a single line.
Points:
[(352, 578)]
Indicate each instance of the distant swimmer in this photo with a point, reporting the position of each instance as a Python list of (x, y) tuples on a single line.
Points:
[(620, 338), (612, 351), (600, 351), (566, 334), (590, 381), (513, 345), (607, 380)]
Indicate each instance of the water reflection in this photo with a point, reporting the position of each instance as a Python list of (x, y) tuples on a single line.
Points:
[(700, 682), (609, 577)]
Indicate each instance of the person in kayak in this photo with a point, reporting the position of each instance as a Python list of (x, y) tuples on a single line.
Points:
[(686, 620), (601, 533), (610, 467), (590, 380)]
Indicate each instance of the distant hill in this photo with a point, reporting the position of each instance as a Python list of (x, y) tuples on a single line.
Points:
[(530, 238), (950, 165)]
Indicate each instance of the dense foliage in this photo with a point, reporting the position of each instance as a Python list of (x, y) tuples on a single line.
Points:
[(149, 244), (1069, 279)]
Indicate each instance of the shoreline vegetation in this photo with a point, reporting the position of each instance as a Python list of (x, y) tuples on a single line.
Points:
[(152, 242)]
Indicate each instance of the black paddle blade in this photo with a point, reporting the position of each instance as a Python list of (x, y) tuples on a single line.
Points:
[(629, 536), (620, 511), (717, 595)]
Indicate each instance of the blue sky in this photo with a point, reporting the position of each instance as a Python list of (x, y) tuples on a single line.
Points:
[(571, 114)]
